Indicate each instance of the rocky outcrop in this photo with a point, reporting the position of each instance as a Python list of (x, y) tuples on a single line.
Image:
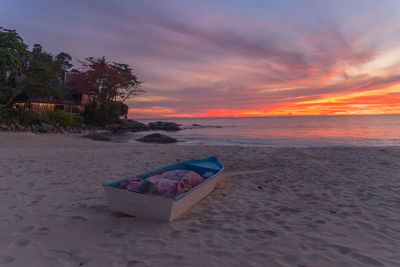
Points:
[(135, 125), (20, 128), (43, 128), (4, 127), (126, 126), (35, 128), (157, 138), (47, 128), (166, 126), (12, 127), (116, 128)]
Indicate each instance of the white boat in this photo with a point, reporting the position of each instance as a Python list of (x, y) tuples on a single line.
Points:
[(158, 207)]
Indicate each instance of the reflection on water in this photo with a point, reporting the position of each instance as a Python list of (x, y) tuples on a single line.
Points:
[(372, 130)]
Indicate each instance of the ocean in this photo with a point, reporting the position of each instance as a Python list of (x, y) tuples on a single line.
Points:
[(291, 131)]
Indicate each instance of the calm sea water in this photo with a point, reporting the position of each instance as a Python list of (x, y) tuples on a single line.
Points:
[(307, 131)]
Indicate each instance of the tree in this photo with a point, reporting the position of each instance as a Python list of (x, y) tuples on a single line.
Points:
[(106, 82), (29, 74), (107, 86), (62, 64), (41, 76), (14, 58), (45, 74)]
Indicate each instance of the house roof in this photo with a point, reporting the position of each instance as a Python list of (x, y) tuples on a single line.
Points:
[(71, 77)]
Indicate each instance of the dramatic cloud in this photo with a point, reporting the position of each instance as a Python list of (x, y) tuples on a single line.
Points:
[(232, 58)]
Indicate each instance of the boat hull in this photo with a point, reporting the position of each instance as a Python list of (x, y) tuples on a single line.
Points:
[(156, 207)]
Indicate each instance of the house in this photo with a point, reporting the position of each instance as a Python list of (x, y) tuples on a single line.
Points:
[(50, 105), (72, 102)]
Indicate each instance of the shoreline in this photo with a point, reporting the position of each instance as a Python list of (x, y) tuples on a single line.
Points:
[(115, 139), (306, 206)]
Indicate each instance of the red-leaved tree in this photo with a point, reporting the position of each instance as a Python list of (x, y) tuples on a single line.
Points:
[(105, 82)]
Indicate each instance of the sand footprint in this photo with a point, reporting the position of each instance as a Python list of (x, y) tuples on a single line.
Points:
[(113, 235), (37, 199), (263, 234), (18, 217), (176, 234), (136, 264), (366, 259), (77, 219), (28, 228), (12, 207), (6, 259), (22, 243), (43, 231), (61, 254)]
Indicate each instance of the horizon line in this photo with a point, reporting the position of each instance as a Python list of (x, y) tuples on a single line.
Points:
[(271, 116)]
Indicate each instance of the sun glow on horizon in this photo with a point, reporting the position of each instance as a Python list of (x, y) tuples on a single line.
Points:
[(372, 102)]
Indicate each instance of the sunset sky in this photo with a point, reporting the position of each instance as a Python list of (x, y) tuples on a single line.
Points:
[(232, 58)]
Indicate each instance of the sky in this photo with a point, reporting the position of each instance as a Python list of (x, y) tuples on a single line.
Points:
[(231, 58)]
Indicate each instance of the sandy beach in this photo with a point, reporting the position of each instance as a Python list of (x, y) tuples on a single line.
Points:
[(272, 206)]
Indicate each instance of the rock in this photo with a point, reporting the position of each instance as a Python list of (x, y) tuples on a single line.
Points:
[(195, 125), (4, 127), (167, 126), (157, 138), (12, 127), (47, 128), (43, 128), (20, 128), (35, 127), (97, 137), (116, 128), (135, 125)]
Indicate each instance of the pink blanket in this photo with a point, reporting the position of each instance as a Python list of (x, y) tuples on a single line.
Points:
[(167, 184)]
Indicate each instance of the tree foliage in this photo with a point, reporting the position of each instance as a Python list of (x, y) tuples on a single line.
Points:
[(45, 73), (29, 73), (106, 82), (105, 113), (62, 64), (14, 57)]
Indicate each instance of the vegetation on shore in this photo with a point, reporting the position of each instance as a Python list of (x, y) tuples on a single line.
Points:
[(27, 74), (25, 117)]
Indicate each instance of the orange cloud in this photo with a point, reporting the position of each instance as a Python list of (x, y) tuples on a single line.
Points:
[(151, 110), (378, 101), (178, 115)]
